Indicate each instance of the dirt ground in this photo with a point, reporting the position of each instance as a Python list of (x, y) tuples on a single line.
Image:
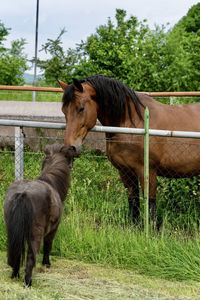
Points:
[(73, 280)]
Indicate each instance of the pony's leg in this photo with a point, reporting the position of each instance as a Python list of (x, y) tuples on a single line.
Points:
[(15, 273), (30, 263), (130, 181), (33, 249), (47, 245)]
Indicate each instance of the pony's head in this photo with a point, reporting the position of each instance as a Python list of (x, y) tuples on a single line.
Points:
[(57, 155), (80, 110)]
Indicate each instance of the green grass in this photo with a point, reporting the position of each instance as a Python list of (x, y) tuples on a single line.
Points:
[(27, 96), (161, 256), (72, 279), (57, 96), (95, 226)]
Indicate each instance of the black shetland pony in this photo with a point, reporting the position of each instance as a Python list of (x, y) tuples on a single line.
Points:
[(33, 210)]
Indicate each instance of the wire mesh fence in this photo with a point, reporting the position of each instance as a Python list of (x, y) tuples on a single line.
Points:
[(96, 186)]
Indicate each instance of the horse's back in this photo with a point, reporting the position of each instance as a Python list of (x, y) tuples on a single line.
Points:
[(181, 117), (174, 157)]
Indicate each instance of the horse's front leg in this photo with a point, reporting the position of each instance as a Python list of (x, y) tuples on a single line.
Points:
[(130, 181), (152, 196)]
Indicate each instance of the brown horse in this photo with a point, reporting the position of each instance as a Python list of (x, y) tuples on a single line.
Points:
[(114, 104), (33, 210)]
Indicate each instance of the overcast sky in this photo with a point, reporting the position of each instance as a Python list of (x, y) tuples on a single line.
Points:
[(80, 17)]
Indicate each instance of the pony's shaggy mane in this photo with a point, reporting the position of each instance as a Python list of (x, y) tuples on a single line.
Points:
[(56, 172)]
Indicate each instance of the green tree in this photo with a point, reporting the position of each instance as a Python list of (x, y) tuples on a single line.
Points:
[(128, 50), (185, 38), (125, 49), (13, 62), (60, 64)]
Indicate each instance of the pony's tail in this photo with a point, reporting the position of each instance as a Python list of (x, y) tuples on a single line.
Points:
[(19, 227)]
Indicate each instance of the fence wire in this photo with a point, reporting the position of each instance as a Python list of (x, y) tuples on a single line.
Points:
[(96, 186)]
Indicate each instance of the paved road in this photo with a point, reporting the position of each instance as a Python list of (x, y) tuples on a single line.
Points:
[(31, 110)]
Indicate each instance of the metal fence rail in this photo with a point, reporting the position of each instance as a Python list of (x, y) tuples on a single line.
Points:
[(19, 137), (59, 90), (105, 129)]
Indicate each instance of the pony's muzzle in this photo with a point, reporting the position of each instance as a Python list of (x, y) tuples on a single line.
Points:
[(77, 149)]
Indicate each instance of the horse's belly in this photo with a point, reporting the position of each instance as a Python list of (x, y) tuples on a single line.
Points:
[(179, 158), (171, 173)]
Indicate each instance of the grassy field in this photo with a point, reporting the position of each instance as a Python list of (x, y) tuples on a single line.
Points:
[(95, 227), (27, 96), (52, 97), (75, 280)]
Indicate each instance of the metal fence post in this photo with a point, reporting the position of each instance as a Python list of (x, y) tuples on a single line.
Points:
[(171, 100), (19, 153), (146, 172)]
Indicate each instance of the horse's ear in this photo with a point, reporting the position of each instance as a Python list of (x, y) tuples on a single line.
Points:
[(63, 85), (77, 84)]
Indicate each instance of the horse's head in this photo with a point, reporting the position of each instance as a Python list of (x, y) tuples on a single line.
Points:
[(80, 110)]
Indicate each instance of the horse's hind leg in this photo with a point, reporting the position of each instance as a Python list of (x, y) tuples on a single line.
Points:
[(152, 200), (48, 240)]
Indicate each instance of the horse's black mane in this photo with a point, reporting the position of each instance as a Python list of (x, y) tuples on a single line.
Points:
[(111, 94)]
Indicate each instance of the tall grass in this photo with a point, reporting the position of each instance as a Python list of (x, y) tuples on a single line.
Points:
[(164, 256), (95, 226)]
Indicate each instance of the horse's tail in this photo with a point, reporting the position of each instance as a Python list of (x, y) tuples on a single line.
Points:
[(19, 228)]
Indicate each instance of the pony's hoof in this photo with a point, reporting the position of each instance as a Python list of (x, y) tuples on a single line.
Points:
[(47, 265), (15, 275), (27, 283)]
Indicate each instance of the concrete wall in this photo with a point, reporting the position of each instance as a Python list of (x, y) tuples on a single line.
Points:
[(36, 138)]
